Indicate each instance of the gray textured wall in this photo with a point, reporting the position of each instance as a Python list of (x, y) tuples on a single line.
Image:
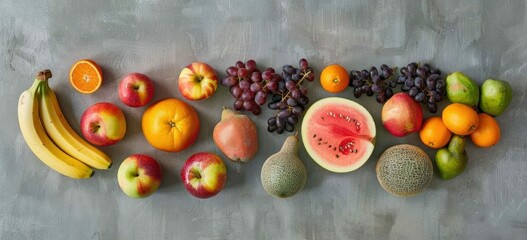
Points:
[(482, 38)]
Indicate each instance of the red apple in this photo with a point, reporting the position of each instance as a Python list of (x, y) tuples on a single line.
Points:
[(197, 81), (136, 90), (401, 115), (103, 124), (204, 175), (139, 176)]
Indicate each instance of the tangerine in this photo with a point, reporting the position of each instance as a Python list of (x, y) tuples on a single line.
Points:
[(434, 133), (170, 125), (460, 119), (86, 76), (488, 132), (334, 78)]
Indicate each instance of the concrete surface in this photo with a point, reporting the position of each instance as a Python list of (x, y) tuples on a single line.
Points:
[(481, 38)]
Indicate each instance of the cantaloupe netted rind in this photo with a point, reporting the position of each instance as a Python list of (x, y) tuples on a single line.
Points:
[(404, 170)]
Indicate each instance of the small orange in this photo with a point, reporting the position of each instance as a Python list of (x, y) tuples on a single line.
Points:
[(488, 132), (434, 133), (86, 76), (170, 125), (334, 78), (460, 119)]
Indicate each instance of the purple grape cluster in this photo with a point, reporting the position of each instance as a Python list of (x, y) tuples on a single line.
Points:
[(373, 82), (249, 86), (290, 98), (423, 83)]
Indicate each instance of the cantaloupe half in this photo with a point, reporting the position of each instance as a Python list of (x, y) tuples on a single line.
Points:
[(338, 134)]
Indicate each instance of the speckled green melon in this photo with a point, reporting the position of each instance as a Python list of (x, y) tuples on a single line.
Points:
[(283, 173), (404, 170)]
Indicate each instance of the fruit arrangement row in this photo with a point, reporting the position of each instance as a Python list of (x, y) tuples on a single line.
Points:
[(338, 133)]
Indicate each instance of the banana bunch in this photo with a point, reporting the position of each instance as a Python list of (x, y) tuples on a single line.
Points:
[(49, 135)]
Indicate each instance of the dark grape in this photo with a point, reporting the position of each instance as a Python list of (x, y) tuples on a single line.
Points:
[(232, 71), (272, 86), (388, 92), (380, 98), (303, 100), (432, 107), (419, 97), (419, 82), (413, 91), (255, 87), (272, 105), (377, 88), (297, 110), (357, 92), (421, 72), (271, 128), (401, 79), (243, 72), (295, 93), (289, 127), (256, 77), (303, 63), (238, 105), (250, 65), (291, 102), (260, 98), (240, 64), (409, 83), (248, 105), (374, 72), (271, 121), (236, 91), (293, 119), (229, 81), (244, 85), (247, 95), (280, 122), (256, 110)]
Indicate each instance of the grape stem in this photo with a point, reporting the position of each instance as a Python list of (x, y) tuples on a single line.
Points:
[(297, 84)]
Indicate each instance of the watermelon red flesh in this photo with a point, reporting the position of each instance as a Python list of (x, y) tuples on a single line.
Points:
[(338, 134)]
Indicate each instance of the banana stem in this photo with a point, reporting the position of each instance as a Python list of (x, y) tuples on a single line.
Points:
[(44, 75)]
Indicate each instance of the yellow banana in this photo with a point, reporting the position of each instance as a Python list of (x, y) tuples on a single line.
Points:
[(37, 139), (60, 131)]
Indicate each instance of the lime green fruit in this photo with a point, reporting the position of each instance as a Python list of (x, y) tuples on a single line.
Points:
[(461, 89), (495, 96), (453, 160)]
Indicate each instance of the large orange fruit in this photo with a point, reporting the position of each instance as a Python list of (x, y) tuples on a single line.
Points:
[(170, 125), (460, 119), (334, 78), (434, 133), (488, 132)]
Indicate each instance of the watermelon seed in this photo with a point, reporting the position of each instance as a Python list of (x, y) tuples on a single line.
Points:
[(337, 156), (329, 145), (314, 136)]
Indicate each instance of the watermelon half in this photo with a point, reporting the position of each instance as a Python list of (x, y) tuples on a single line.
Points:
[(339, 134)]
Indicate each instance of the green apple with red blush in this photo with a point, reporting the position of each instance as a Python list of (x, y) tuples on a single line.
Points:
[(204, 174), (197, 81), (136, 90), (139, 176), (103, 124)]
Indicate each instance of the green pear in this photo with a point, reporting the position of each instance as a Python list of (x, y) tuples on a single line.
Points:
[(495, 96), (452, 160), (460, 88)]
